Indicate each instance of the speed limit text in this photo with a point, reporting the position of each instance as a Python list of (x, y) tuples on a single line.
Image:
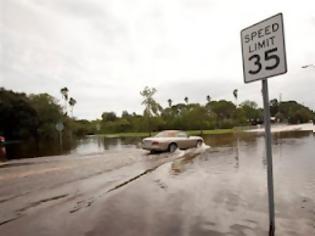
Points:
[(261, 38)]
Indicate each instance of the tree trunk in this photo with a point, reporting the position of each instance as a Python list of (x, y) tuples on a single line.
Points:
[(149, 125)]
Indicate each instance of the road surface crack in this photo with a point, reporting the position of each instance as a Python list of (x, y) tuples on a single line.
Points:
[(133, 178), (37, 203), (9, 220)]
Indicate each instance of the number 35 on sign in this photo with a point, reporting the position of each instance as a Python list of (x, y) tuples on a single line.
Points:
[(263, 49)]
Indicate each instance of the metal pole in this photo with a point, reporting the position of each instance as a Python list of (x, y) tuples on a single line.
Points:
[(268, 140), (60, 140)]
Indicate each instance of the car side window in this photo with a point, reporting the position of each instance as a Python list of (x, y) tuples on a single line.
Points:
[(181, 135)]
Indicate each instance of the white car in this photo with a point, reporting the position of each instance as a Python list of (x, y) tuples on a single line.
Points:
[(170, 140)]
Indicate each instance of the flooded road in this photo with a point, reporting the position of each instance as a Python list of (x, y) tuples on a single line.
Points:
[(217, 190)]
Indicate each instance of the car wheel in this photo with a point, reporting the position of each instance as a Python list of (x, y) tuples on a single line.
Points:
[(199, 143), (172, 147)]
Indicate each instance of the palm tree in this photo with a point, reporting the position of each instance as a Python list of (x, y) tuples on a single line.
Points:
[(186, 100), (208, 98), (169, 102), (64, 92), (235, 94), (152, 107), (208, 105), (72, 103)]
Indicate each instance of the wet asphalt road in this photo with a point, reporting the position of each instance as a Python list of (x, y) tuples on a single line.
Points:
[(67, 195), (205, 191)]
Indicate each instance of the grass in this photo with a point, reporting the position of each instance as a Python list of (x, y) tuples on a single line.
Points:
[(190, 132)]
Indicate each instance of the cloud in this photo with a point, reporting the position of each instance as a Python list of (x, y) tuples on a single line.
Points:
[(107, 51), (77, 8)]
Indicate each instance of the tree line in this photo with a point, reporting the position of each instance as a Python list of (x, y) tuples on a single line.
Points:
[(214, 114), (35, 116)]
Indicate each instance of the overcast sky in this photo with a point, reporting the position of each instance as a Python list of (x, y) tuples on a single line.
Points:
[(106, 51)]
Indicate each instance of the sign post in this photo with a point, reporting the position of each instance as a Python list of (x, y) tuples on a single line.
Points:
[(268, 140), (264, 56), (59, 128)]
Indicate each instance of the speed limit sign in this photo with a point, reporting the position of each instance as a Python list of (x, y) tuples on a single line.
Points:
[(264, 56), (263, 49)]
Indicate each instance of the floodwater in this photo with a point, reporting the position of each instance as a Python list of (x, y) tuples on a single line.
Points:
[(85, 145), (220, 189)]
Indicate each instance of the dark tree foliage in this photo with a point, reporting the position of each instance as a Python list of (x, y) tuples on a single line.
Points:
[(294, 112), (223, 109), (109, 116), (18, 119), (29, 117), (49, 114), (252, 114), (274, 107)]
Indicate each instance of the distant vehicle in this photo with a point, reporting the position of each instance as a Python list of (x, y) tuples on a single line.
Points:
[(170, 140)]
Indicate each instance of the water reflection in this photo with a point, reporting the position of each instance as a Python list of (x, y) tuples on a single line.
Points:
[(30, 149), (237, 151), (88, 144), (99, 143)]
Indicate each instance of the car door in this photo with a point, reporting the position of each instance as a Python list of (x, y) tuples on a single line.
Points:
[(183, 140)]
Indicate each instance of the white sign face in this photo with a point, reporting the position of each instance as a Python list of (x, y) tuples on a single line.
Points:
[(263, 49), (59, 126)]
